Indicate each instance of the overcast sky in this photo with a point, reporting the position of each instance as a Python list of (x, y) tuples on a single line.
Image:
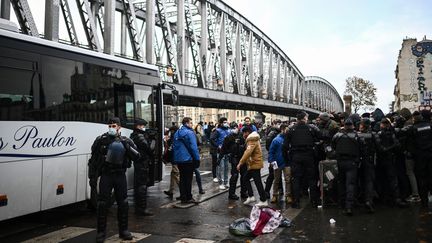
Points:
[(337, 39), (332, 39)]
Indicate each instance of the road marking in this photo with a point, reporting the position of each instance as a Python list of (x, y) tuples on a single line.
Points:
[(205, 172), (189, 240), (136, 237), (60, 235)]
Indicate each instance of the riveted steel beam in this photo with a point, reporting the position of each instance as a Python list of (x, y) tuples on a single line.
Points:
[(25, 17)]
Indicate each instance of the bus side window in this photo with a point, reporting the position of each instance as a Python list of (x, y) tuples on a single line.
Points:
[(19, 89)]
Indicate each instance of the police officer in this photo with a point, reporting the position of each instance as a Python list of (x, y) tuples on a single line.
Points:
[(115, 153), (145, 145), (233, 146), (347, 145), (367, 166), (300, 142), (387, 144), (328, 129), (421, 136)]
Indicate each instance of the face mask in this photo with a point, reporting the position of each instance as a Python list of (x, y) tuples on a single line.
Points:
[(143, 129), (235, 130), (226, 125), (278, 126), (112, 131)]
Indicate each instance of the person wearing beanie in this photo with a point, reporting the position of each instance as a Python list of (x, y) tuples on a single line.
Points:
[(300, 142), (426, 114), (233, 146), (347, 146), (405, 113), (421, 135), (366, 115), (367, 166), (387, 146), (145, 144), (328, 129)]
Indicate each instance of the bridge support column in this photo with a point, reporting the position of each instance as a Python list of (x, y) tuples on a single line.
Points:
[(52, 11), (181, 50), (109, 23), (203, 42), (5, 9), (150, 31)]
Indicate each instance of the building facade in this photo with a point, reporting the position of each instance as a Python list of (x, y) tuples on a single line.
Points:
[(413, 89), (176, 114)]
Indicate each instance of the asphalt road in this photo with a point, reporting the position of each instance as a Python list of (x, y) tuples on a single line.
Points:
[(209, 220)]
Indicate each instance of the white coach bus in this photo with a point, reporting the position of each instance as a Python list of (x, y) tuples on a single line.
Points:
[(55, 100)]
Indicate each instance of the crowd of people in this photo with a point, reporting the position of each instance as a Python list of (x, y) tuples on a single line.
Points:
[(386, 158), (379, 157)]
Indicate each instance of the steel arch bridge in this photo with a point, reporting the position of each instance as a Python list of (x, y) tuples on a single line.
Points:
[(320, 94), (210, 52)]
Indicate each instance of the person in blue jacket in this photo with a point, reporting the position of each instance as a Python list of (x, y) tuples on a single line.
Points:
[(248, 123), (275, 156), (187, 158), (216, 140)]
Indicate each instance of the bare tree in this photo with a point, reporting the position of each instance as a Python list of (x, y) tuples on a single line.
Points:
[(363, 93)]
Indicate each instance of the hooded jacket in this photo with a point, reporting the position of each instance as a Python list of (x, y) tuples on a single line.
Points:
[(378, 115), (253, 154)]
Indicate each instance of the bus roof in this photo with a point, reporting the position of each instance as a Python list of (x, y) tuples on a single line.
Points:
[(70, 48)]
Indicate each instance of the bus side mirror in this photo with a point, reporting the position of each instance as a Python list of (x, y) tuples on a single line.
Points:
[(174, 97)]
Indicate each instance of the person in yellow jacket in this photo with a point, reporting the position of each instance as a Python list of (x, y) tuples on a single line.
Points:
[(254, 159)]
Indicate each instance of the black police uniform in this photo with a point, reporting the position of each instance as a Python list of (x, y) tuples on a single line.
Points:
[(234, 147), (387, 143), (347, 146), (145, 146), (367, 166), (421, 136), (300, 142), (111, 156)]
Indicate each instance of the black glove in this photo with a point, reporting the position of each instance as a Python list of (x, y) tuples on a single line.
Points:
[(196, 163), (93, 182)]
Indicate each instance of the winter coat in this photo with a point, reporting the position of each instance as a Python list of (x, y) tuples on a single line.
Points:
[(252, 126), (253, 154), (275, 151), (378, 115), (185, 146), (218, 137)]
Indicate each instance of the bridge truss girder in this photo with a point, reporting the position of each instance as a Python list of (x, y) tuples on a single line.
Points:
[(209, 45)]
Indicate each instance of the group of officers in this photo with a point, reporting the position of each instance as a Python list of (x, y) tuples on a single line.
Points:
[(111, 155), (367, 153)]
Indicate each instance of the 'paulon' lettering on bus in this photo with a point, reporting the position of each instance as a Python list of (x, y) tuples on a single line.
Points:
[(28, 136)]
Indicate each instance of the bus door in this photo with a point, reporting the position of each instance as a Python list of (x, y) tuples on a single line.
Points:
[(148, 107), (123, 104)]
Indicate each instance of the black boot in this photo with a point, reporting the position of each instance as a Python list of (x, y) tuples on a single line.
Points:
[(141, 201), (401, 203), (295, 204), (347, 212), (369, 207), (101, 221), (122, 217)]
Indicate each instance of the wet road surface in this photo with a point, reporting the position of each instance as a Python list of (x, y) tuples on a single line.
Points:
[(209, 221)]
